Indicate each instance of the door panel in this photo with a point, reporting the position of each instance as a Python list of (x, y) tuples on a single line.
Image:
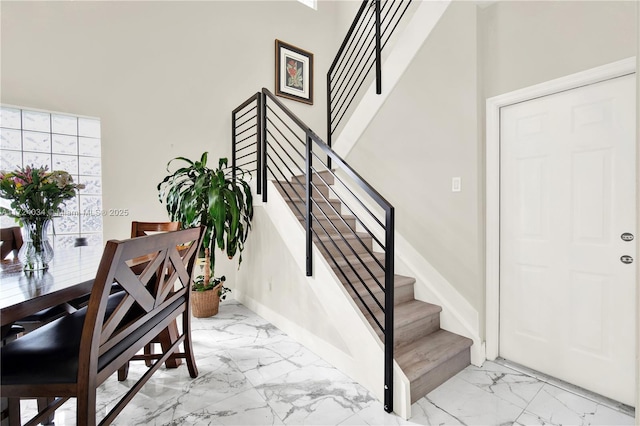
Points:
[(567, 194)]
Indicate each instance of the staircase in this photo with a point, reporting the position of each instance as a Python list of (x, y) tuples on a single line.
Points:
[(427, 354), (354, 233)]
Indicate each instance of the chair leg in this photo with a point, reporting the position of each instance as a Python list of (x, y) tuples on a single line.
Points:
[(188, 347), (123, 372), (42, 404), (86, 407), (166, 338), (148, 350), (14, 411)]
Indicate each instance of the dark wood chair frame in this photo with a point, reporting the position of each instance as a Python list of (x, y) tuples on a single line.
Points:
[(11, 241), (156, 274), (140, 229)]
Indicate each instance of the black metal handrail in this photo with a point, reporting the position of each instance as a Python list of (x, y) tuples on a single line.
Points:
[(246, 138), (375, 22), (296, 159)]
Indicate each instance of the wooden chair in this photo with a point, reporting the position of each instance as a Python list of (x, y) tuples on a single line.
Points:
[(11, 239), (11, 242), (73, 355), (140, 229)]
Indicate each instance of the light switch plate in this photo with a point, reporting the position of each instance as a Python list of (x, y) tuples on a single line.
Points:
[(456, 184)]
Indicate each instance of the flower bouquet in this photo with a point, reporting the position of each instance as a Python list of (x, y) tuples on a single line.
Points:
[(35, 196)]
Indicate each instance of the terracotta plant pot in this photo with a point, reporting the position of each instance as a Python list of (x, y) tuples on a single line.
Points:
[(204, 304)]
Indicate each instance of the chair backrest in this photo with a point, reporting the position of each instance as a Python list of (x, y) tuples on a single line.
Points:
[(139, 229), (155, 272), (11, 241)]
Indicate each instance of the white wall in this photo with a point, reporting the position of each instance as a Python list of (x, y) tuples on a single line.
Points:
[(529, 42), (425, 134), (431, 128), (162, 76)]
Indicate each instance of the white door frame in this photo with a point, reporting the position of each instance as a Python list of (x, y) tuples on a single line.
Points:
[(492, 164)]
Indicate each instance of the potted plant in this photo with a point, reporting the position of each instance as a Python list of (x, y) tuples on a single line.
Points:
[(196, 195)]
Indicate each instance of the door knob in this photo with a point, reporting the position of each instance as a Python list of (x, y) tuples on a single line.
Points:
[(627, 236), (626, 259)]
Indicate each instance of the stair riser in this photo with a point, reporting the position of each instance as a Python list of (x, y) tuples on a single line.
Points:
[(364, 274), (319, 191), (297, 192), (325, 207), (407, 333), (325, 224), (400, 295), (428, 382), (328, 177)]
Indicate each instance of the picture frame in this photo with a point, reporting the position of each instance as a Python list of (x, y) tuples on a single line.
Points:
[(294, 73)]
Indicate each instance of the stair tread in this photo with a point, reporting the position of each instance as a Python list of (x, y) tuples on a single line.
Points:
[(413, 310), (423, 355)]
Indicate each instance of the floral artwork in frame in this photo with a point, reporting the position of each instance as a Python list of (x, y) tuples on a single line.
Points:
[(294, 73)]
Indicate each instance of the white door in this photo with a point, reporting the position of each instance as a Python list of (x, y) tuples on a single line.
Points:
[(567, 195)]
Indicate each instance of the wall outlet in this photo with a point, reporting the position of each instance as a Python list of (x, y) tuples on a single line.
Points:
[(456, 184)]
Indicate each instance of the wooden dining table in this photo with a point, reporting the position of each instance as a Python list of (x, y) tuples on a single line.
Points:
[(70, 276)]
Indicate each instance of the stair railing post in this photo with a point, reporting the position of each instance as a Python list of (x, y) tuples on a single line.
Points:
[(263, 142), (233, 145), (389, 308), (329, 117), (308, 178), (258, 143), (378, 49)]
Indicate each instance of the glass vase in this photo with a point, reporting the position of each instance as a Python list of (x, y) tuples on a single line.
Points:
[(36, 251)]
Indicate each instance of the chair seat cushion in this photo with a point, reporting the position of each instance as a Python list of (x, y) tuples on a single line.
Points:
[(49, 355), (44, 315)]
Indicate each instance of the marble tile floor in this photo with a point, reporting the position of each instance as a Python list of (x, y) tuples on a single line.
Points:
[(251, 373)]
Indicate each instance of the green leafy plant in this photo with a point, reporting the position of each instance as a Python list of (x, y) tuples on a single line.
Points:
[(197, 195)]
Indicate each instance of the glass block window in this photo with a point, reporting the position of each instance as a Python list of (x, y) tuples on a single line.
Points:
[(61, 142)]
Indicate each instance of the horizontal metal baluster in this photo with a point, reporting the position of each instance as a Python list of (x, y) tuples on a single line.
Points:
[(344, 75), (361, 79), (244, 156), (286, 139), (252, 118), (282, 160), (347, 46), (250, 145), (356, 254), (373, 216), (319, 240)]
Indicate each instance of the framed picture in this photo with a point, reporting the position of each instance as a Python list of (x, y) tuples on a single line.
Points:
[(294, 73)]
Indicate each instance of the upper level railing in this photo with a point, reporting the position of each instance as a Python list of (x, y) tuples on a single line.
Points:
[(360, 51), (346, 226)]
